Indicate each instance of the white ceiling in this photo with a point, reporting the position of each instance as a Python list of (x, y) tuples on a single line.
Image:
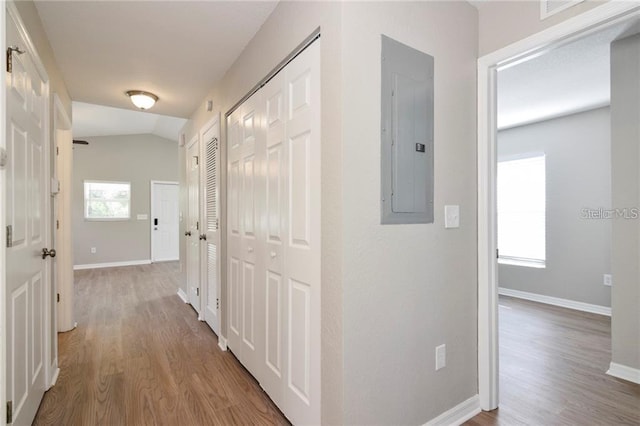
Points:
[(98, 120), (175, 49), (572, 78)]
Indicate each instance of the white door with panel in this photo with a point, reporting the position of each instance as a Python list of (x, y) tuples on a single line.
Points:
[(273, 236), (193, 223), (28, 308), (210, 238), (164, 221)]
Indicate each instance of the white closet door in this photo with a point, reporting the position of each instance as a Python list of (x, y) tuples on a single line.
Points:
[(274, 236), (211, 242), (302, 247)]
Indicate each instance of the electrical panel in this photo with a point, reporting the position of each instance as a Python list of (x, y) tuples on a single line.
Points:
[(406, 134)]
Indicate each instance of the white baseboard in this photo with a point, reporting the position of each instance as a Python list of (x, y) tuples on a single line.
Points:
[(183, 296), (623, 372), (556, 301), (222, 343), (54, 378), (458, 414), (111, 264)]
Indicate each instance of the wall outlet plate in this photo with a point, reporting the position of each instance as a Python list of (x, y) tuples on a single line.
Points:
[(441, 356), (607, 279)]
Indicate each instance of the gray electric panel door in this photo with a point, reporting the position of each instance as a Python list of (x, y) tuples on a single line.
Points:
[(406, 134)]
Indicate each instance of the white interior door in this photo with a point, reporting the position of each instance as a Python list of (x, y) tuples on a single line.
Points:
[(164, 221), (193, 223), (28, 215), (210, 221), (273, 236)]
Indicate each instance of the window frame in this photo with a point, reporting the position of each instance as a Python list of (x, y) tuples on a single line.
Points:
[(517, 260), (86, 200)]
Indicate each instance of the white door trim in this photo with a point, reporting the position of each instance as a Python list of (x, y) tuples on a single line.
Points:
[(611, 13), (151, 211), (3, 224)]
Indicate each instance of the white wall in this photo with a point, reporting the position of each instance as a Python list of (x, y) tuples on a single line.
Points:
[(578, 172), (138, 159), (409, 288)]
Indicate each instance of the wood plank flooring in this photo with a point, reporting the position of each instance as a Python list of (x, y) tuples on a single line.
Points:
[(553, 364), (140, 356)]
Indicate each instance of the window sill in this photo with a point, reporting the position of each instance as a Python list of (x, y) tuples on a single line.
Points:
[(538, 264)]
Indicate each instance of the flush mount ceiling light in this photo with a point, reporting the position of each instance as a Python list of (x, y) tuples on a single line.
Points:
[(142, 99)]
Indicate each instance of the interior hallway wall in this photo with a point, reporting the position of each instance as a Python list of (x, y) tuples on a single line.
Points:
[(288, 25), (578, 177), (137, 159)]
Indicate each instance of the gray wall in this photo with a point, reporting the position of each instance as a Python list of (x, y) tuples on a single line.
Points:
[(409, 288), (625, 156), (134, 158), (578, 171)]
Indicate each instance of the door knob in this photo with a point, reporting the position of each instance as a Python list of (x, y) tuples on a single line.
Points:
[(203, 237), (46, 252), (187, 234)]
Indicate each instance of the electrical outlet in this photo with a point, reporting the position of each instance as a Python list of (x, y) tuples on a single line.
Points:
[(607, 280), (93, 250), (441, 356)]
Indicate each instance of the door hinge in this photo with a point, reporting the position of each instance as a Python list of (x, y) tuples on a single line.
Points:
[(9, 236), (10, 51), (217, 224), (217, 303), (9, 412), (57, 151), (58, 297), (497, 253), (57, 224), (197, 225), (198, 291)]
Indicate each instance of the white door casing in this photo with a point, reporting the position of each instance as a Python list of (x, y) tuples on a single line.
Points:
[(210, 236), (164, 221), (28, 276), (273, 234), (63, 140), (193, 223)]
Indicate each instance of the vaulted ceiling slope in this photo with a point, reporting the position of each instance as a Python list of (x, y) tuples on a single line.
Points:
[(175, 49)]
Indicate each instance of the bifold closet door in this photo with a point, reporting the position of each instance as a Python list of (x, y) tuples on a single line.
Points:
[(274, 236)]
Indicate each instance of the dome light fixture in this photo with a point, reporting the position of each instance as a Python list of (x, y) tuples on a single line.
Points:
[(141, 99)]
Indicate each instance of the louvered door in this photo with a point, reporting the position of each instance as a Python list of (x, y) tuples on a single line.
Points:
[(210, 239)]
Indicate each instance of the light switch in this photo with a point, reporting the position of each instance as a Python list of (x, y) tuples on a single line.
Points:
[(452, 216)]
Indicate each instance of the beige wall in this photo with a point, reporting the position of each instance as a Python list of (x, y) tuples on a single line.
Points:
[(505, 22), (409, 288), (138, 159), (288, 26)]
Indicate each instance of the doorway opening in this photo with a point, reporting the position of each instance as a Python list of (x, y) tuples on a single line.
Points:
[(489, 66)]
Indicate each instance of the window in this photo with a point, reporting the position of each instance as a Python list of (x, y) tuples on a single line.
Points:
[(521, 211), (107, 200)]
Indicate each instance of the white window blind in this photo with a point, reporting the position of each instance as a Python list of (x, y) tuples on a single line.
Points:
[(107, 200), (521, 210)]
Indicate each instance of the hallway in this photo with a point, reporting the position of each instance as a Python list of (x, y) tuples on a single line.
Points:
[(140, 356)]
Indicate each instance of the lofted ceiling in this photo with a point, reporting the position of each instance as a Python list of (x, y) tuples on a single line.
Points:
[(175, 49), (98, 120), (565, 80)]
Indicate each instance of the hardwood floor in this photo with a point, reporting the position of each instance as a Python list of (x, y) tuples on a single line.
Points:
[(553, 364), (140, 356)]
